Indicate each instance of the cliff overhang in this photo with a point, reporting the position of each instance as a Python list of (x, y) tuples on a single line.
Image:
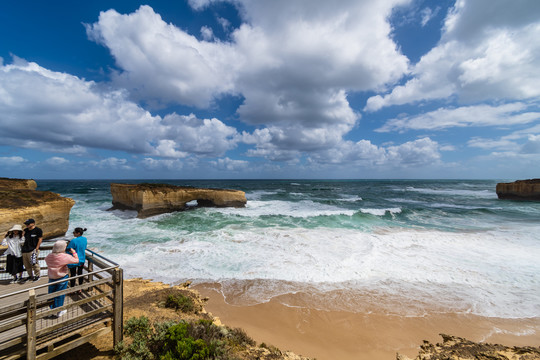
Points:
[(154, 199)]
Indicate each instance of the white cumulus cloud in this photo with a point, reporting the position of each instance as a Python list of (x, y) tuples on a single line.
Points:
[(293, 63), (488, 51)]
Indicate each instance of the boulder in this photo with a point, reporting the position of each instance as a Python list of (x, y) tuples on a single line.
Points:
[(154, 199), (519, 190), (50, 210)]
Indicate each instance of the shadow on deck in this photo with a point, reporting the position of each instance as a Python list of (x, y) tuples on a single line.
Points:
[(28, 328)]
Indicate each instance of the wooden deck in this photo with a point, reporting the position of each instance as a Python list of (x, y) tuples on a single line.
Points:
[(28, 328)]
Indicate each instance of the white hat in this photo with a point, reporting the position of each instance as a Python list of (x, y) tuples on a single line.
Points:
[(16, 227)]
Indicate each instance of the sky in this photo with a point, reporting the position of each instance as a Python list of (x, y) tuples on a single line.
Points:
[(285, 89)]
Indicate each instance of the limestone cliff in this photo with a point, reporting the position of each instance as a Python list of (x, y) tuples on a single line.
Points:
[(154, 199), (50, 210), (18, 184), (519, 190), (456, 348)]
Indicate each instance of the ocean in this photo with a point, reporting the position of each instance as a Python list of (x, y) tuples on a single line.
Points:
[(403, 247)]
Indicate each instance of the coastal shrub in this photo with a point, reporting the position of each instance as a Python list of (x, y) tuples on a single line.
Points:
[(189, 340), (146, 340), (180, 345), (240, 338), (180, 302)]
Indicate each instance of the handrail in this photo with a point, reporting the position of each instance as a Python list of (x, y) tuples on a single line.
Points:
[(101, 256), (109, 304), (58, 281)]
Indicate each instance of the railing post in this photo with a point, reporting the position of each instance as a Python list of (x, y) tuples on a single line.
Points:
[(90, 269), (118, 312), (31, 326)]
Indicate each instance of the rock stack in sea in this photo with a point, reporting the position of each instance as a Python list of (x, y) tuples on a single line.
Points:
[(519, 190), (20, 201), (154, 199)]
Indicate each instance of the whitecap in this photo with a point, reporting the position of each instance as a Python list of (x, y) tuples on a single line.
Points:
[(381, 212)]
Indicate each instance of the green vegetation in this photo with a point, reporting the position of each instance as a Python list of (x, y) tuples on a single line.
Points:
[(179, 301), (193, 340)]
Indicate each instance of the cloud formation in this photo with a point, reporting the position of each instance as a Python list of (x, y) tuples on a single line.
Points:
[(488, 51), (477, 115), (293, 71), (63, 113)]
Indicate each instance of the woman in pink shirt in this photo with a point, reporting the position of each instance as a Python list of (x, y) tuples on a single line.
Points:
[(57, 262)]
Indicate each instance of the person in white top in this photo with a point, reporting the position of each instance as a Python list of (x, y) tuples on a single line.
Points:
[(14, 240)]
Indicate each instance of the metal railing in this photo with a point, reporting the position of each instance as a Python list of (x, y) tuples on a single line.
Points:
[(29, 327)]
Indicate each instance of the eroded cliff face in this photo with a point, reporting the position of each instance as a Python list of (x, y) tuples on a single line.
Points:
[(456, 348), (154, 199), (520, 190), (50, 210), (18, 184)]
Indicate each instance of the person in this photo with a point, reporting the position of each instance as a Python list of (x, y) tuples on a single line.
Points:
[(33, 236), (78, 243), (14, 240), (57, 262)]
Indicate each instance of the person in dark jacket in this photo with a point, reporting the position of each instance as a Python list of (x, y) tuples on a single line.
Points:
[(33, 236)]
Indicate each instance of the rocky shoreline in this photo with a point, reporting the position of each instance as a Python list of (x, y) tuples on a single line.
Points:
[(456, 348)]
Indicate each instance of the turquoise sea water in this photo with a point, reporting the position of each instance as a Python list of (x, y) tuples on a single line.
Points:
[(430, 245)]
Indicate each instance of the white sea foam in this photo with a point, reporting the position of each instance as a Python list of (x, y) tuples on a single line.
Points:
[(256, 195), (482, 273), (349, 198), (381, 212), (487, 194), (300, 209)]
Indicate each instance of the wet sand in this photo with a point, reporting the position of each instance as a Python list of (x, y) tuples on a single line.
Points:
[(343, 335)]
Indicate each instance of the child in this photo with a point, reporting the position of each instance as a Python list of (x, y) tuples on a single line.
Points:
[(14, 240)]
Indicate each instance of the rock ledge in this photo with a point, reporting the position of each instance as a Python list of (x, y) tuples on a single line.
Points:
[(456, 348)]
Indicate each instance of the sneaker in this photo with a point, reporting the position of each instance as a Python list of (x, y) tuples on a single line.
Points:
[(23, 280), (61, 313), (14, 280), (36, 278)]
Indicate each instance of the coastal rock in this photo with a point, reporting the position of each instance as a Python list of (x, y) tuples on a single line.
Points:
[(519, 190), (154, 199), (456, 348), (17, 184), (50, 210)]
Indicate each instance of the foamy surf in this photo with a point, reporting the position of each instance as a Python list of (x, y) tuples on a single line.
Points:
[(400, 247)]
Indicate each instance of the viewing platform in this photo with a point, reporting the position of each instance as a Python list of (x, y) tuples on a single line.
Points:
[(27, 326)]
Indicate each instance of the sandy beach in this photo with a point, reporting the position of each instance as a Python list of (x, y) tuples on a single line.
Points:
[(331, 335)]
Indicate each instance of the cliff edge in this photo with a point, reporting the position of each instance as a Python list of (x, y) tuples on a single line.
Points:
[(456, 348), (154, 199), (17, 184), (19, 201), (519, 190)]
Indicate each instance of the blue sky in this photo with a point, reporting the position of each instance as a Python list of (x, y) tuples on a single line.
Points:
[(270, 89)]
